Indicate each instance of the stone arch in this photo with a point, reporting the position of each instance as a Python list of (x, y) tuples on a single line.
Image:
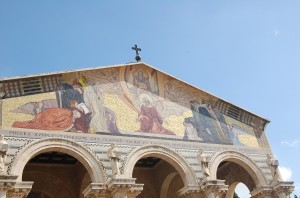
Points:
[(93, 166), (240, 159), (166, 184), (231, 190), (179, 163)]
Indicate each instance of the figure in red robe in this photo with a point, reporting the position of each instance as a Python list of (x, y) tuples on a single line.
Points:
[(57, 119), (49, 119), (150, 119)]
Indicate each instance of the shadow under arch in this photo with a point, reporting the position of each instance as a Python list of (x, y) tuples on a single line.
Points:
[(93, 166), (53, 181), (179, 163), (240, 159)]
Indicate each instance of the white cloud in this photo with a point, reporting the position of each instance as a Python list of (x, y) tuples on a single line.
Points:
[(293, 144), (286, 173), (276, 32)]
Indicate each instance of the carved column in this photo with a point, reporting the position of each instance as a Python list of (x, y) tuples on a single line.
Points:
[(214, 188), (222, 192), (284, 189), (3, 189), (6, 183), (20, 189), (95, 190), (190, 192), (119, 187)]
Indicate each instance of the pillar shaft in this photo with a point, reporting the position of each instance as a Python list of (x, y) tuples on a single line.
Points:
[(2, 194)]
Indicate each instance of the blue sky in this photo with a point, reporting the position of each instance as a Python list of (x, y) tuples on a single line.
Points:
[(246, 52)]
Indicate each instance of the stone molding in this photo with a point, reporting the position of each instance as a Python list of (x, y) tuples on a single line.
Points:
[(136, 141)]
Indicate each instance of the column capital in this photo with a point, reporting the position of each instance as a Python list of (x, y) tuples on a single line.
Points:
[(280, 189), (214, 188), (283, 189), (7, 182), (95, 190), (20, 189), (262, 192), (120, 186), (135, 190), (189, 191)]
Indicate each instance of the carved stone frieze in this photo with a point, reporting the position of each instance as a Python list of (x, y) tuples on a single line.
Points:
[(25, 143)]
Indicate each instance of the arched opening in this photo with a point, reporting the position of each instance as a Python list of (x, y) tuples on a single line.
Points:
[(234, 174), (56, 174), (242, 191), (159, 177), (93, 165), (169, 156)]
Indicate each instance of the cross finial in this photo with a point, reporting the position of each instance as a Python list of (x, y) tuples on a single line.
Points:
[(137, 57)]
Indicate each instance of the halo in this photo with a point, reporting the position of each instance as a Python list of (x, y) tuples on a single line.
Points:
[(145, 73), (143, 95)]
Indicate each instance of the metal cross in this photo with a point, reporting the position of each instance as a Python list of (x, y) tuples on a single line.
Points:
[(137, 57)]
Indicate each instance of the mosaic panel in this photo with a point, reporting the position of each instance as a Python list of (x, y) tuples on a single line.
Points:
[(136, 99)]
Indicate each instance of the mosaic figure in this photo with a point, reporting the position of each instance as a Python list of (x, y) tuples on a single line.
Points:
[(57, 119), (149, 118)]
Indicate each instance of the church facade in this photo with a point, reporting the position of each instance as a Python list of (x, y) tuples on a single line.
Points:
[(129, 131)]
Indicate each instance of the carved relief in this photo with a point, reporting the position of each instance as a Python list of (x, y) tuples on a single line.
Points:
[(114, 156), (3, 153), (203, 161)]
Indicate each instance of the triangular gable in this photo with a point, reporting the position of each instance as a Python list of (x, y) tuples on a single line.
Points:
[(130, 99)]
